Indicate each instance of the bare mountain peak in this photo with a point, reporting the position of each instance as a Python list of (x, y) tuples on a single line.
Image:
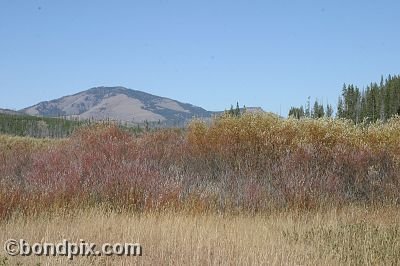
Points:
[(122, 104), (118, 103)]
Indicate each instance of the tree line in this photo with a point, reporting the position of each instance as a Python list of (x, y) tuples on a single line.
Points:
[(317, 110), (375, 102), (46, 127)]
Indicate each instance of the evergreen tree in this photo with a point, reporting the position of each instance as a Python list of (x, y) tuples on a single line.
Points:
[(237, 110), (375, 102), (296, 112), (329, 111), (318, 110), (308, 107), (231, 111), (340, 108)]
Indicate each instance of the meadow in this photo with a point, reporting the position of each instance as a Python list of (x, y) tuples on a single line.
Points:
[(254, 189)]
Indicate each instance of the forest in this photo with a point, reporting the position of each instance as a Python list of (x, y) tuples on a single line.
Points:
[(370, 104), (57, 127)]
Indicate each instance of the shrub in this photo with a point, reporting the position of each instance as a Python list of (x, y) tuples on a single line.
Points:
[(253, 163)]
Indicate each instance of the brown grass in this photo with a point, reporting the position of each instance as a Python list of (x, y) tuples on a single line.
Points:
[(351, 236)]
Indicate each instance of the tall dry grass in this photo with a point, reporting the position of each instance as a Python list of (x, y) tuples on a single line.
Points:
[(349, 236)]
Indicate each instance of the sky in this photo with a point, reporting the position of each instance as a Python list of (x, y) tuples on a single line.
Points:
[(272, 54)]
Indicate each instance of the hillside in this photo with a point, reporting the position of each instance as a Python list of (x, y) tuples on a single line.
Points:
[(9, 112), (118, 103)]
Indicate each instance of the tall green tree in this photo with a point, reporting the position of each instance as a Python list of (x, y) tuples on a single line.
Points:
[(297, 112), (318, 110), (329, 111), (375, 102), (308, 107)]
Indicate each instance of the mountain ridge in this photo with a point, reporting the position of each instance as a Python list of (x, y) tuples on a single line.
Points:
[(121, 104), (9, 112)]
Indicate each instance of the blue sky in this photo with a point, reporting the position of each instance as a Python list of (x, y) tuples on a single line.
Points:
[(271, 54)]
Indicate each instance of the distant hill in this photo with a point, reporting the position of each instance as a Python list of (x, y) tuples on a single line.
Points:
[(9, 112), (121, 104)]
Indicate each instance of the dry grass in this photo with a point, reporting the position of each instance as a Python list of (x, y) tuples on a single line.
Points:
[(351, 236)]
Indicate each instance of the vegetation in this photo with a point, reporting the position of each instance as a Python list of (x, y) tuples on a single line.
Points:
[(25, 125), (45, 127), (253, 189), (235, 112), (251, 163), (349, 236), (317, 111), (375, 102)]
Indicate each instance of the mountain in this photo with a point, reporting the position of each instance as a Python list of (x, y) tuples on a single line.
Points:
[(121, 104), (9, 112)]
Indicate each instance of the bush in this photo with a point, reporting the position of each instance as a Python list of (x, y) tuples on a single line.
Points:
[(253, 163)]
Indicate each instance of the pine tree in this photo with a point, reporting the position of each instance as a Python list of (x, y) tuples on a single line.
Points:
[(237, 110), (340, 108), (231, 112), (329, 111), (308, 107), (375, 102), (318, 110), (296, 112)]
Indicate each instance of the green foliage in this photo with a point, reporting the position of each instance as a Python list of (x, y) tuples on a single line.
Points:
[(318, 110), (350, 105), (24, 125), (375, 102), (329, 111), (296, 112), (236, 112), (44, 127)]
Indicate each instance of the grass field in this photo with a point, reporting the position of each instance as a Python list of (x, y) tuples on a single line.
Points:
[(350, 236), (244, 190)]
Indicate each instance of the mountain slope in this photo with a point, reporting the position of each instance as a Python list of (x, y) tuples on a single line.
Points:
[(9, 112), (118, 103)]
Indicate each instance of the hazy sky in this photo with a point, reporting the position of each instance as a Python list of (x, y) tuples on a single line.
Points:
[(271, 54)]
